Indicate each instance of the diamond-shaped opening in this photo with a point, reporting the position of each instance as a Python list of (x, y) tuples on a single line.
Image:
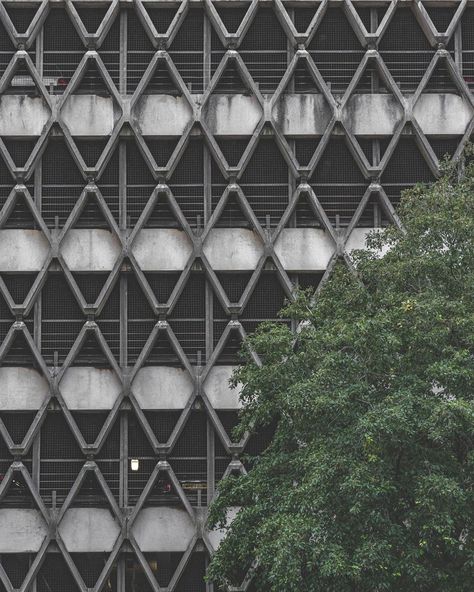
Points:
[(140, 181), (21, 215), (265, 55), (91, 150), (232, 215), (309, 280), (140, 317), (467, 32), (405, 50), (6, 318), (61, 319), (162, 352), (21, 16), (108, 183), (19, 353), (441, 80), (90, 353), (338, 182), (55, 574), (143, 457), (20, 150), (229, 419), (62, 183), (232, 148), (162, 284), (444, 147), (304, 148), (304, 214), (371, 17), (91, 215), (19, 285), (231, 81), (22, 82), (61, 459), (230, 16), (373, 148), (265, 183), (302, 16), (17, 423), (63, 50), (18, 494), (90, 284), (234, 284), (267, 299), (188, 458), (441, 16), (161, 82), (406, 167), (16, 566), (371, 82), (336, 56), (90, 493), (188, 318), (193, 575), (221, 458), (91, 15), (230, 354), (108, 458), (161, 17), (162, 423), (374, 214), (162, 149), (90, 566), (187, 50), (162, 215), (140, 51), (302, 80), (187, 183)]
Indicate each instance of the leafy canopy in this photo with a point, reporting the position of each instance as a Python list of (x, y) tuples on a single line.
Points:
[(368, 484)]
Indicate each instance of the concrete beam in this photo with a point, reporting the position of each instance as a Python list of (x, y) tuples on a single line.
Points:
[(89, 115), (162, 249), (84, 387), (218, 390), (162, 387), (89, 530), (243, 249), (22, 250), (163, 530), (22, 115), (162, 115), (92, 249), (22, 389), (21, 530)]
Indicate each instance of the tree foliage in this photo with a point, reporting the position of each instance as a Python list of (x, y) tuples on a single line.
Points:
[(368, 484)]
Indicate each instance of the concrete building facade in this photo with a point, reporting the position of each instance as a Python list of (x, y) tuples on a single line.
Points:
[(170, 173)]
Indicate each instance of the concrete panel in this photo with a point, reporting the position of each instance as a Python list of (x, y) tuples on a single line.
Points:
[(162, 387), (163, 529), (302, 114), (89, 530), (21, 115), (90, 388), (21, 530), (22, 250), (376, 114), (93, 249), (244, 249), (22, 389), (162, 249), (89, 115), (304, 249), (357, 240), (442, 114), (162, 115), (233, 115), (216, 536), (218, 389)]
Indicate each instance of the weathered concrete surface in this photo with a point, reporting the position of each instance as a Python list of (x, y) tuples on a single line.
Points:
[(89, 530), (22, 250), (162, 115), (233, 249), (85, 387), (442, 114), (231, 115), (89, 115), (162, 387), (22, 115), (216, 536), (218, 389), (162, 249), (376, 114), (22, 389), (86, 249), (304, 249), (163, 529), (21, 530)]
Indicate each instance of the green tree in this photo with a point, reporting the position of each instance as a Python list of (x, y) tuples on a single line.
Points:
[(368, 484)]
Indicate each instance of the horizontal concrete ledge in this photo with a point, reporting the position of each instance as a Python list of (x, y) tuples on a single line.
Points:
[(162, 387), (22, 389), (158, 249), (89, 530), (163, 529), (21, 530), (84, 387), (218, 390), (235, 115)]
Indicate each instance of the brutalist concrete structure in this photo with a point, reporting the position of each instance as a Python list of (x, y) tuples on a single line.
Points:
[(170, 172)]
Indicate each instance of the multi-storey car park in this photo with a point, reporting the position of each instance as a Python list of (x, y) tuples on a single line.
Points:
[(170, 172)]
